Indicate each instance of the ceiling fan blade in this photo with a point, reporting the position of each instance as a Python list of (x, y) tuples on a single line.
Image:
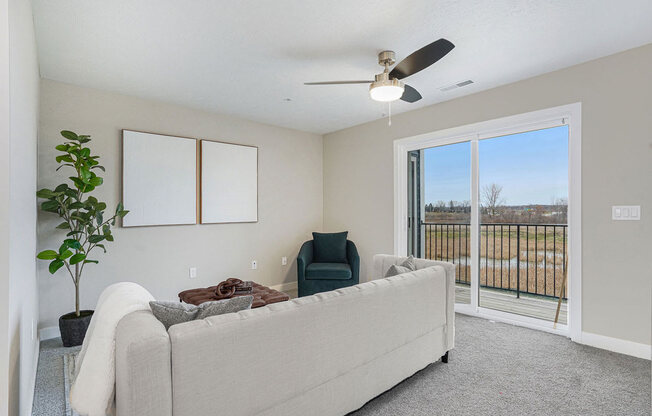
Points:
[(337, 82), (421, 59), (410, 95)]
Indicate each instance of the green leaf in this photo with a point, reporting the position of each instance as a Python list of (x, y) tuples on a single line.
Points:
[(99, 167), (85, 174), (96, 238), (123, 213), (96, 181), (65, 255), (77, 258), (79, 184), (102, 247), (84, 139), (109, 237), (63, 226), (91, 261), (69, 135), (61, 188), (55, 265), (50, 206), (47, 255), (101, 206), (64, 158), (45, 193), (72, 243), (99, 218), (62, 147), (85, 152)]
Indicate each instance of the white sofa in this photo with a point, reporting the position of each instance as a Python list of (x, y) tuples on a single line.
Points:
[(326, 354)]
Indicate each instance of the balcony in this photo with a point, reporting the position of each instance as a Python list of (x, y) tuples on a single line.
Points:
[(521, 266)]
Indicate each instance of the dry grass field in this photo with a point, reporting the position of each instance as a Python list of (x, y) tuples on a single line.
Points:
[(534, 254)]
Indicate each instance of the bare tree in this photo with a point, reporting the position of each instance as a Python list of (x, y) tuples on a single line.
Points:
[(491, 199)]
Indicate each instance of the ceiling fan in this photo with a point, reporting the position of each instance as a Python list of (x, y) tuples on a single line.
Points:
[(387, 85)]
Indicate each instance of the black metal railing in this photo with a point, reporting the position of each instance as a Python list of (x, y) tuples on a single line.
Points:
[(520, 258)]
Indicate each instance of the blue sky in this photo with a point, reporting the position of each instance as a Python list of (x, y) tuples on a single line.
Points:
[(532, 168)]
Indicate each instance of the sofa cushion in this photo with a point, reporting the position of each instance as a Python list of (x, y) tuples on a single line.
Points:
[(328, 271), (172, 313), (329, 247)]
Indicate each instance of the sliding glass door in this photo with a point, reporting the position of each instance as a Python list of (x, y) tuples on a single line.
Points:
[(496, 206), (445, 228), (523, 205)]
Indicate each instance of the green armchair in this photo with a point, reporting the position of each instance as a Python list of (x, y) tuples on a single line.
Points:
[(327, 263)]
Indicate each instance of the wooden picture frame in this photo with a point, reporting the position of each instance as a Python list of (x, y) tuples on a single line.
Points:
[(228, 182), (159, 179)]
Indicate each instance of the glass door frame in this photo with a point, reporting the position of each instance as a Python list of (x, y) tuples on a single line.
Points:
[(563, 115)]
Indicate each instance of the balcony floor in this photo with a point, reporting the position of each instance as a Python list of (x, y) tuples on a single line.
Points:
[(527, 305)]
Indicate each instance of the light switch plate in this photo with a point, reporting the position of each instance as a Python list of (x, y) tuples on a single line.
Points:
[(192, 272), (284, 261), (254, 265), (626, 212)]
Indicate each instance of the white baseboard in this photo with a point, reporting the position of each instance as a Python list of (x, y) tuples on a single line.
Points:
[(49, 333), (286, 287), (618, 345)]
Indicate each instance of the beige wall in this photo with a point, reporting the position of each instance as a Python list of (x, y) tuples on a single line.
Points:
[(615, 92), (19, 88), (290, 200)]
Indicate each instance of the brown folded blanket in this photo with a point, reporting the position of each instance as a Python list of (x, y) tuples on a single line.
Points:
[(232, 286), (263, 295)]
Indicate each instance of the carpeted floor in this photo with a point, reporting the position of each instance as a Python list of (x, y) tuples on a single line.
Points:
[(495, 369)]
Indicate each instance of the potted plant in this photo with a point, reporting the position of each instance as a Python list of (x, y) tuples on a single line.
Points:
[(83, 221)]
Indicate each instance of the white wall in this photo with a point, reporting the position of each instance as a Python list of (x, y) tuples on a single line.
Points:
[(289, 190), (616, 170), (19, 86)]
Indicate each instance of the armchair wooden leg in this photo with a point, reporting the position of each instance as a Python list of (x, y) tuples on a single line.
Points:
[(444, 358)]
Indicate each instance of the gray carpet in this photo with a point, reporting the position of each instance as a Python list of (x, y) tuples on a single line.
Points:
[(500, 369), (49, 395), (495, 369)]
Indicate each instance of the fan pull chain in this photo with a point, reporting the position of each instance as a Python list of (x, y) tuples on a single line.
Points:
[(389, 118)]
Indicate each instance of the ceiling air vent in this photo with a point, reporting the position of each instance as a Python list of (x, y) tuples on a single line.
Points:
[(456, 85)]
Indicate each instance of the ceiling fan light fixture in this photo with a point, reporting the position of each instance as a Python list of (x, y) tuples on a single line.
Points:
[(386, 90)]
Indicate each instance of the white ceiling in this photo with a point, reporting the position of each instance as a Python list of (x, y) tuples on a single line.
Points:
[(244, 57)]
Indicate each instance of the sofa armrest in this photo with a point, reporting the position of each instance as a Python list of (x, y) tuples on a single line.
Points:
[(304, 258), (143, 370), (354, 260)]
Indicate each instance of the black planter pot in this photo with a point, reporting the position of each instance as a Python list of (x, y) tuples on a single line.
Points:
[(73, 328)]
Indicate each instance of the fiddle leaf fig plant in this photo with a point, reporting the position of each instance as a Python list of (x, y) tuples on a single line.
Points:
[(86, 225)]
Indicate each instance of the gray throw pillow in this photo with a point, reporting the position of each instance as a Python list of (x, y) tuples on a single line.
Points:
[(172, 313), (408, 265)]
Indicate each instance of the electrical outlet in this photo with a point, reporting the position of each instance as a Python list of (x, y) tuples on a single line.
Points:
[(254, 265), (192, 272), (284, 261)]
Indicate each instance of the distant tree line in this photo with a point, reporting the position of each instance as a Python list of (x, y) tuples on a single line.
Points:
[(493, 209)]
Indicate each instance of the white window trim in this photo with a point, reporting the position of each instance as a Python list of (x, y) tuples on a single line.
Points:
[(566, 114)]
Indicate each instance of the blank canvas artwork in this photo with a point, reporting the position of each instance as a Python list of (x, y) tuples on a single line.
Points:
[(229, 183), (159, 179)]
